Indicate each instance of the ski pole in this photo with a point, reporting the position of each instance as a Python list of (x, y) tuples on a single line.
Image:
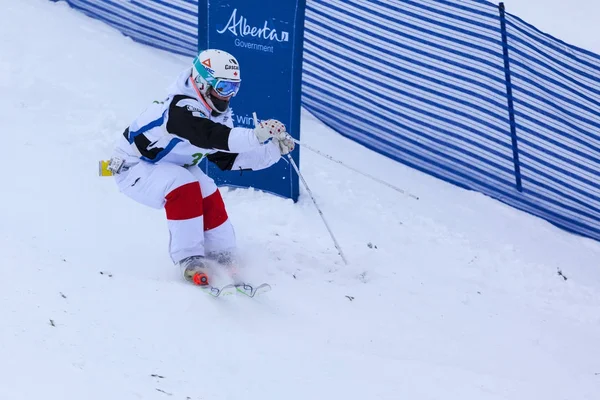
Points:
[(337, 246), (356, 170), (293, 163)]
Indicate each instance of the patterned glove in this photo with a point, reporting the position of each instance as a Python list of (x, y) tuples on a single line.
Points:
[(268, 129), (286, 144)]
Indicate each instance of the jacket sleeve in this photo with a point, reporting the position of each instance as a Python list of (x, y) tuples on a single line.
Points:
[(259, 158), (254, 160), (188, 120), (223, 160)]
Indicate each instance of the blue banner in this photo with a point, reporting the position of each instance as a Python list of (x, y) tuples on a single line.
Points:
[(266, 37)]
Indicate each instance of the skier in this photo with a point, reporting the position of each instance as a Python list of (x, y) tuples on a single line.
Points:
[(156, 162)]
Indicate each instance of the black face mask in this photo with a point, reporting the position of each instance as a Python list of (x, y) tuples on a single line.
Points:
[(219, 104)]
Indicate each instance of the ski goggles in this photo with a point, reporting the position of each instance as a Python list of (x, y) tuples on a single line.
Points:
[(226, 88)]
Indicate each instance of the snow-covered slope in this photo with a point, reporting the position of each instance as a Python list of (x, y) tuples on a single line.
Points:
[(572, 21), (453, 296)]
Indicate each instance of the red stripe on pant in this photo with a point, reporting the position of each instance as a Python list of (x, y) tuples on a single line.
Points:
[(214, 211), (184, 202)]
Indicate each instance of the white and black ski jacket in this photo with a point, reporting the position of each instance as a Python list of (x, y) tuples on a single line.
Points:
[(182, 130)]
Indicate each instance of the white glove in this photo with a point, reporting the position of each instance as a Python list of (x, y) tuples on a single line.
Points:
[(268, 129), (286, 144)]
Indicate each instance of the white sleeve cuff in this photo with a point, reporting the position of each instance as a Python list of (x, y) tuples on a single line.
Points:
[(259, 158), (242, 140)]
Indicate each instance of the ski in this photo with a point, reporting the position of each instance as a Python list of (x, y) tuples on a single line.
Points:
[(250, 291), (218, 291), (242, 288)]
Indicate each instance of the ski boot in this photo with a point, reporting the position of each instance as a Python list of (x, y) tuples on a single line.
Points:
[(194, 270), (228, 262)]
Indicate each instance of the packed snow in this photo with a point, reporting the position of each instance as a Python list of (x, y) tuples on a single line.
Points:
[(452, 296)]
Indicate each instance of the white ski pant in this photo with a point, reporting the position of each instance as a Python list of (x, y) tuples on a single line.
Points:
[(196, 215)]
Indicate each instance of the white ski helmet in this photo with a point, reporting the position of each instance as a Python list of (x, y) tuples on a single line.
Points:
[(219, 71)]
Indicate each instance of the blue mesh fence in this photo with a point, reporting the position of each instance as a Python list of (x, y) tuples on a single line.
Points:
[(457, 89)]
